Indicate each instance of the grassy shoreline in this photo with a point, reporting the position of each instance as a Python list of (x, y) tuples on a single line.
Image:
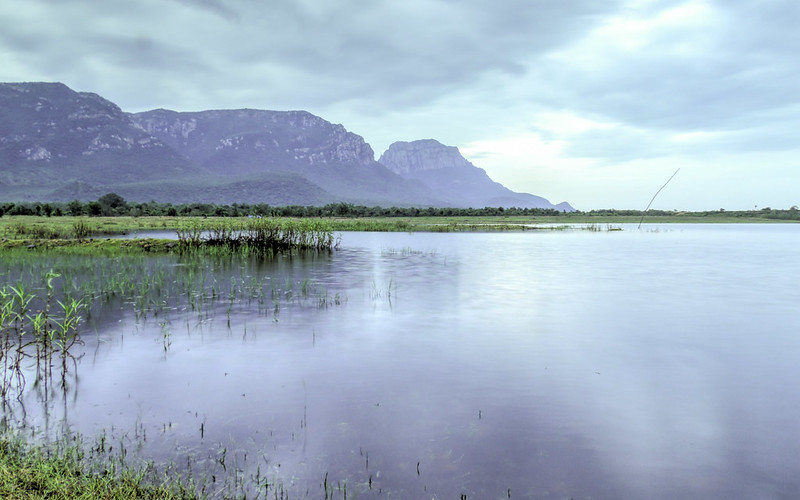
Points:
[(88, 235), (28, 471), (103, 226)]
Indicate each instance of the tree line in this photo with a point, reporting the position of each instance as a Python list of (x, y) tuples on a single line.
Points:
[(112, 204)]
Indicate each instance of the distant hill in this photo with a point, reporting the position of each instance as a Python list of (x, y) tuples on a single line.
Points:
[(246, 142), (457, 181), (58, 145), (51, 136)]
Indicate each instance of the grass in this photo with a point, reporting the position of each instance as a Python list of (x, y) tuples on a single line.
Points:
[(30, 472), (256, 235), (66, 227), (216, 236), (96, 247), (40, 312), (31, 328), (48, 297), (219, 236), (31, 228)]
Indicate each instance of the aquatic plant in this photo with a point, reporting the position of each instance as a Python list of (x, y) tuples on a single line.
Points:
[(28, 330), (36, 471), (81, 229), (256, 236), (42, 312), (53, 298)]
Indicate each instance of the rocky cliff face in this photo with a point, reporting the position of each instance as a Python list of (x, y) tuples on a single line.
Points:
[(275, 137), (445, 171), (410, 158), (48, 121), (49, 133)]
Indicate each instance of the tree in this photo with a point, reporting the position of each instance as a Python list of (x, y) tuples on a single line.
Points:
[(95, 208), (75, 207), (111, 203)]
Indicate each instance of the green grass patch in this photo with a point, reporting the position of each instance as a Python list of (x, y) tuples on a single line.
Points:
[(105, 247), (88, 234), (31, 472), (39, 227)]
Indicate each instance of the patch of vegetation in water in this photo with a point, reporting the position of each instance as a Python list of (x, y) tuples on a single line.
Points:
[(50, 298), (29, 471), (257, 235), (45, 296)]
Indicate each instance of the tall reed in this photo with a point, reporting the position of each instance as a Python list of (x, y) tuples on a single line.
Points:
[(258, 235)]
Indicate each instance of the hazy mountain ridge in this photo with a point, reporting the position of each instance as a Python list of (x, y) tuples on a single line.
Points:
[(459, 182), (57, 144), (254, 142)]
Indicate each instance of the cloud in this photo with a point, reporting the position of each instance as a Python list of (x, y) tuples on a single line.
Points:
[(713, 71), (217, 7), (388, 53), (597, 84), (413, 52)]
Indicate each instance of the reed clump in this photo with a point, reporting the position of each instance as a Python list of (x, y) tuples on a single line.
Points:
[(257, 235), (81, 229)]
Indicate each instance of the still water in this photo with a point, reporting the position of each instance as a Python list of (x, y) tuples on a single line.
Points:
[(652, 363)]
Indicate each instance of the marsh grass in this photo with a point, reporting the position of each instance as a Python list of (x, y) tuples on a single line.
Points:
[(68, 466), (256, 236), (30, 330), (53, 298), (251, 236), (43, 312), (38, 227), (67, 471), (82, 229)]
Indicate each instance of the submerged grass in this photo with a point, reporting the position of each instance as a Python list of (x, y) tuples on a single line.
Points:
[(48, 294), (68, 469), (48, 298)]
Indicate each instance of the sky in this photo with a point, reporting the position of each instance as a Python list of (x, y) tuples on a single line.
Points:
[(596, 103)]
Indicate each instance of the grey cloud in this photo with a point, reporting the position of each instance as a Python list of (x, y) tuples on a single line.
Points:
[(218, 7), (144, 52), (394, 54), (737, 90), (734, 84), (20, 41), (617, 146), (436, 47)]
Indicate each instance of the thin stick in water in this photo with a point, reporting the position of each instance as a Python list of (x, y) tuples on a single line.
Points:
[(654, 197)]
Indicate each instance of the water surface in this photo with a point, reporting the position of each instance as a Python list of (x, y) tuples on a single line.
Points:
[(653, 363)]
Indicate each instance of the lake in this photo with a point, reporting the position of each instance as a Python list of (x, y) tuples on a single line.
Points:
[(652, 363)]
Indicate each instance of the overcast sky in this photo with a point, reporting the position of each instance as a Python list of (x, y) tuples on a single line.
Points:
[(592, 102)]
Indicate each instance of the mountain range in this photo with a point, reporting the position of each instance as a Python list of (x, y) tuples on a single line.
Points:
[(59, 145)]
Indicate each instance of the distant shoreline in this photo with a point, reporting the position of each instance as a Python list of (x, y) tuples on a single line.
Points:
[(91, 234)]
